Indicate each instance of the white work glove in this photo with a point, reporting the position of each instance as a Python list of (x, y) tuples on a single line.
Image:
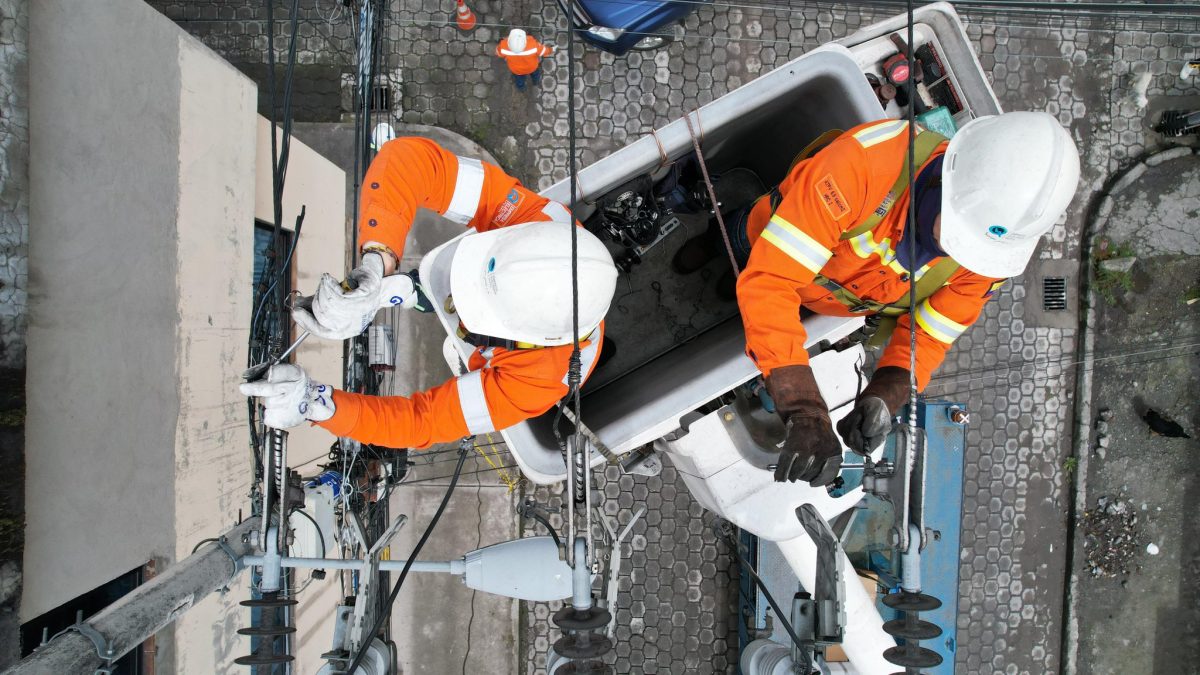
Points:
[(289, 397), (338, 312)]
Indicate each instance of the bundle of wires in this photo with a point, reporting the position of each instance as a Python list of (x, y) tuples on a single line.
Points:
[(269, 321)]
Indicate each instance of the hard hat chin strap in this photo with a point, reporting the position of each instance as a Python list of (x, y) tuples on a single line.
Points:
[(488, 341)]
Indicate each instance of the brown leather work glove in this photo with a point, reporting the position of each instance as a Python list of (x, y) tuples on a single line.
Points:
[(869, 423), (811, 451)]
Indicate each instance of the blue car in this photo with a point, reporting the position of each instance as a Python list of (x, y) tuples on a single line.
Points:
[(618, 26)]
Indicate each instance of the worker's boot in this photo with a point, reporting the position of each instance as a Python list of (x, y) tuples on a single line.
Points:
[(694, 254)]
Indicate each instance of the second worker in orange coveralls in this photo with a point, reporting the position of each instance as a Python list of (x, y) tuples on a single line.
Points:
[(834, 238), (510, 283), (523, 55)]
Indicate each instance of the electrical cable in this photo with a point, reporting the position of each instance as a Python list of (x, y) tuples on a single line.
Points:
[(911, 233), (287, 263), (1034, 10), (1020, 7), (968, 10), (1063, 362), (320, 534), (735, 548), (437, 515), (203, 542), (464, 473)]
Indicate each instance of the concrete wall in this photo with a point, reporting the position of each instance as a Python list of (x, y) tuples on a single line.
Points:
[(151, 166), (214, 265), (104, 315)]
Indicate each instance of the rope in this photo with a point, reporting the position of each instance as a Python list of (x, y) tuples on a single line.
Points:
[(712, 193), (663, 158)]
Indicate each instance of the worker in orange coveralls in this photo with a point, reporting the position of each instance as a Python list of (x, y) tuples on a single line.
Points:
[(510, 284), (833, 238), (523, 55)]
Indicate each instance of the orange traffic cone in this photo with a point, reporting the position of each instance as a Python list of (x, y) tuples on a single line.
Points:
[(465, 18)]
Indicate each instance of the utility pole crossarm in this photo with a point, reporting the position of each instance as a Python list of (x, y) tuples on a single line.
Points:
[(125, 624)]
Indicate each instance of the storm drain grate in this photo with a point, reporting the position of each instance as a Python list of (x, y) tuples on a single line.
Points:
[(381, 98), (1054, 294)]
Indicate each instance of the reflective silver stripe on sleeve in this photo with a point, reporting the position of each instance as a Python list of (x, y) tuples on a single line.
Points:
[(557, 212), (474, 403), (797, 244), (468, 189), (880, 132), (527, 52), (942, 328)]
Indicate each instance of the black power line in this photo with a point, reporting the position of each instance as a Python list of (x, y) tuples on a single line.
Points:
[(437, 515)]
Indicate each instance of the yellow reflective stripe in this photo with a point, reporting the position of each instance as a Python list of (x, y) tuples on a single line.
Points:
[(798, 245), (878, 133), (937, 324), (864, 246)]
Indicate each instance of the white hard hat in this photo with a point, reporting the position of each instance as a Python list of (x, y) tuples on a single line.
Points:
[(516, 40), (514, 283), (1006, 179), (382, 133)]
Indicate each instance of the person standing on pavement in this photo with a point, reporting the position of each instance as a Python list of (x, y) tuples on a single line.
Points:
[(834, 237), (523, 55), (511, 289)]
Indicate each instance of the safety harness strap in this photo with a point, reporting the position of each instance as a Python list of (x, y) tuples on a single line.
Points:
[(927, 285), (924, 146)]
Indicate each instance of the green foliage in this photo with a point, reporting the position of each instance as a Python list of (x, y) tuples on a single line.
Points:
[(1070, 464), (1107, 249), (1108, 282)]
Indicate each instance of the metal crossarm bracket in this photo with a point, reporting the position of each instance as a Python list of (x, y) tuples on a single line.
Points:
[(104, 648), (368, 579), (829, 591)]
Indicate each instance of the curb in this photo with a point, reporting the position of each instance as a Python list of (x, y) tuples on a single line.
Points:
[(1085, 360)]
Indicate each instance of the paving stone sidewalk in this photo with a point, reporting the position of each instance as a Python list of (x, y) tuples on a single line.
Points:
[(1104, 78)]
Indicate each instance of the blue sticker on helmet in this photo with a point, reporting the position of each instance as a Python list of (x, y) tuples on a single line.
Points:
[(997, 231), (492, 265)]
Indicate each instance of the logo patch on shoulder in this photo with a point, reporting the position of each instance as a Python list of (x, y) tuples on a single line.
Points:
[(996, 285), (832, 197), (508, 207)]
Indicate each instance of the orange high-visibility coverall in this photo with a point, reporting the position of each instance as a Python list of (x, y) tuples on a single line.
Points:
[(502, 386), (822, 197), (526, 61)]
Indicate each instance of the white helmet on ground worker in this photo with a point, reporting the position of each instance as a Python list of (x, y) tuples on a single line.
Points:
[(514, 283), (1006, 180), (516, 40)]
